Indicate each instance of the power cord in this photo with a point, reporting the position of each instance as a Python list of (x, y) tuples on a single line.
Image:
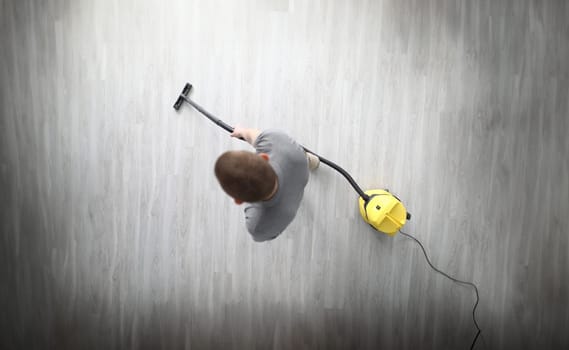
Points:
[(454, 280)]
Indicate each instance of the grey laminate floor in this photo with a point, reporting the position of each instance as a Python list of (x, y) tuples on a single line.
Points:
[(115, 234)]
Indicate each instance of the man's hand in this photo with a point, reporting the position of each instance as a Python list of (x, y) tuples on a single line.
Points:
[(249, 135)]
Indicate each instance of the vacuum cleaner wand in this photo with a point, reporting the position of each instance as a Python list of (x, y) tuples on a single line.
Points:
[(184, 97)]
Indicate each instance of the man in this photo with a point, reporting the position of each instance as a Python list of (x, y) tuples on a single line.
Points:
[(271, 181)]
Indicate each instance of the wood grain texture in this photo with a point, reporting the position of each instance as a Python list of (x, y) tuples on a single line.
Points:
[(115, 234)]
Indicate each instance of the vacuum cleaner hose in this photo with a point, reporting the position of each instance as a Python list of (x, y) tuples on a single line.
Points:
[(343, 172), (228, 128)]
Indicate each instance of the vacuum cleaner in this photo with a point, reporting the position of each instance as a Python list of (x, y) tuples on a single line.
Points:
[(382, 210), (379, 208)]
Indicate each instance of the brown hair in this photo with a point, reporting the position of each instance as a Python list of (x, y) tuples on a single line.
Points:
[(244, 175)]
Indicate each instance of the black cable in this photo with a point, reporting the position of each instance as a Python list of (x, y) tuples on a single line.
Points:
[(454, 280)]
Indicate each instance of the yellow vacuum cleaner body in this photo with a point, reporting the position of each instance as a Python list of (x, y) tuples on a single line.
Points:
[(383, 211)]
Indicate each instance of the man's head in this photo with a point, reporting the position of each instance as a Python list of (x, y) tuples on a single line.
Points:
[(245, 176)]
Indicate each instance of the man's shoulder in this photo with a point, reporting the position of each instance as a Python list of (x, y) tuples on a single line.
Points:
[(271, 134)]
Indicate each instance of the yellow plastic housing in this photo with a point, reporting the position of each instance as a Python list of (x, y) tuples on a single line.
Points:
[(384, 211)]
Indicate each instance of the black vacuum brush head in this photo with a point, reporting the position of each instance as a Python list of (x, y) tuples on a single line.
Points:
[(185, 93)]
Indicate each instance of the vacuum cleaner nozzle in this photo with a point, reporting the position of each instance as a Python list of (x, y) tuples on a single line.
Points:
[(183, 96)]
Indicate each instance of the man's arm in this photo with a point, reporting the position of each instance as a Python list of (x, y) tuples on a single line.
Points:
[(250, 135)]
